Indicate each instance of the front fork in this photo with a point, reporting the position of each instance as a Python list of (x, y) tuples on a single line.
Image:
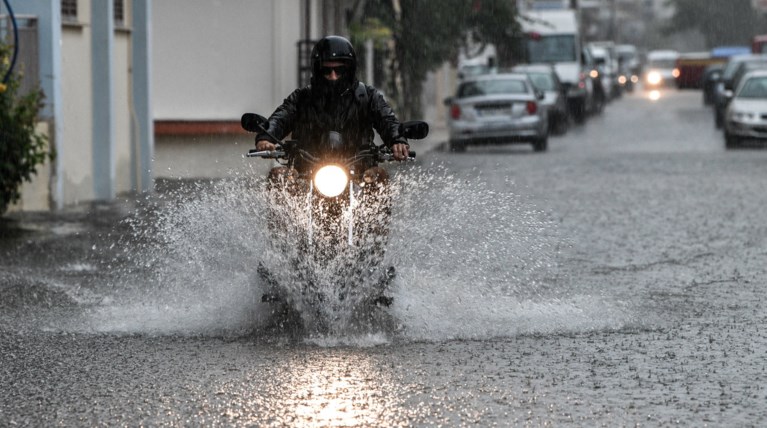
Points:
[(348, 214)]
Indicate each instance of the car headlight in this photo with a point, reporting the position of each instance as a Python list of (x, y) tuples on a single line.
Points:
[(742, 115), (331, 180), (654, 78)]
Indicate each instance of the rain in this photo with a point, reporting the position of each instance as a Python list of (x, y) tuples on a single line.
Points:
[(613, 276)]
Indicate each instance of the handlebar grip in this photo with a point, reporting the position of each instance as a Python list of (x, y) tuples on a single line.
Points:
[(411, 154), (266, 154)]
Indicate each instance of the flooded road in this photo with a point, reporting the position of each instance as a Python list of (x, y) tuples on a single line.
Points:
[(617, 279)]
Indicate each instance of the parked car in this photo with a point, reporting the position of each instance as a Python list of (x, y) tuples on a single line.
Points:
[(545, 79), (711, 76), (605, 69), (746, 112), (593, 82), (497, 108), (724, 87), (606, 59), (660, 69), (629, 66)]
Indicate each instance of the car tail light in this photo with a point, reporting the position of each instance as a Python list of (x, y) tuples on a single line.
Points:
[(455, 111), (532, 107)]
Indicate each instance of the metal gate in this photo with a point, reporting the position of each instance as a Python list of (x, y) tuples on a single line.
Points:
[(305, 61)]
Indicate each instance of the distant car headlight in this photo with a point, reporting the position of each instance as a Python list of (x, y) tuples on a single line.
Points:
[(331, 180), (654, 78), (622, 80)]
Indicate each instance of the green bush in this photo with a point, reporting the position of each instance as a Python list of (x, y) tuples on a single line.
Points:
[(22, 150)]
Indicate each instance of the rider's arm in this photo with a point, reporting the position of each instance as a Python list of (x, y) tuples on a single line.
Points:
[(386, 124), (281, 122)]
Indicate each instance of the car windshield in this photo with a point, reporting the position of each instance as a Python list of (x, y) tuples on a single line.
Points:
[(559, 48), (495, 86), (662, 63), (474, 70), (542, 81), (755, 87)]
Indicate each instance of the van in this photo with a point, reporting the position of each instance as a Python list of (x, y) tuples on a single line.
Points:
[(553, 37)]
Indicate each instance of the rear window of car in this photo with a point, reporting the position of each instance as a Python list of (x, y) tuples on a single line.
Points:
[(542, 81), (755, 87), (490, 87)]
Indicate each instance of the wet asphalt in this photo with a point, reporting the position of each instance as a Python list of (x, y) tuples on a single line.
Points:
[(616, 280)]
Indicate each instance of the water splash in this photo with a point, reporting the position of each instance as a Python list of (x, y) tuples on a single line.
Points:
[(473, 261)]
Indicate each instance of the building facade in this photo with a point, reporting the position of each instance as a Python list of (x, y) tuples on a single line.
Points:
[(94, 67)]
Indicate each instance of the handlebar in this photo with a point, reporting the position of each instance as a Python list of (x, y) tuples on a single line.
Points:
[(281, 154)]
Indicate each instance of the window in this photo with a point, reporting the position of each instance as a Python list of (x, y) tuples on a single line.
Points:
[(69, 10), (119, 12)]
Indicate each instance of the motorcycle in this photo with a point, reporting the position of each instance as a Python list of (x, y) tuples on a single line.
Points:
[(333, 220)]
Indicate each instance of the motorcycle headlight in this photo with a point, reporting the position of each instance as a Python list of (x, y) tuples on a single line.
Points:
[(331, 180)]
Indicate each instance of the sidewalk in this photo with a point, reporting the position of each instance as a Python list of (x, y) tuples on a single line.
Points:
[(210, 157)]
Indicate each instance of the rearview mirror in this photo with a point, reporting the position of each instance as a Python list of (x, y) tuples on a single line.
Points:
[(252, 122), (414, 130)]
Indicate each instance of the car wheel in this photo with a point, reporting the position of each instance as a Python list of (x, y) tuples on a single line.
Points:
[(578, 111), (541, 144), (560, 124), (457, 146), (730, 141)]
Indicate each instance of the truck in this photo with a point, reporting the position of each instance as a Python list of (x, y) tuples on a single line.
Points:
[(552, 36)]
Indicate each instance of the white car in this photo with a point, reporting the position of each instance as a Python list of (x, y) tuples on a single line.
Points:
[(497, 108), (661, 69), (746, 115)]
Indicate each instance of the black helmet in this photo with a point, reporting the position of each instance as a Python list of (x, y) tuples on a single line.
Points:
[(333, 48)]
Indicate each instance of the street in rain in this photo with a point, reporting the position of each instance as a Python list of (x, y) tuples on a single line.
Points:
[(608, 272)]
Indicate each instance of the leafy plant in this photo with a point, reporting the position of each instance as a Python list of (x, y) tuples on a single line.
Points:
[(425, 34), (22, 149)]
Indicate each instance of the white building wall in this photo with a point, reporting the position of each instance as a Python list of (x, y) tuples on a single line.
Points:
[(72, 180), (124, 168), (214, 60), (77, 113)]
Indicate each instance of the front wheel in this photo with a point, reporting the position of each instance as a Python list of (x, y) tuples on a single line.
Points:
[(730, 141)]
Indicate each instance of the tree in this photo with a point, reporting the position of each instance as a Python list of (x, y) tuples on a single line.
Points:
[(731, 22), (426, 34), (22, 149)]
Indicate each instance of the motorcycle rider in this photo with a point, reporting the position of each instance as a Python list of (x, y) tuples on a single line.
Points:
[(336, 101)]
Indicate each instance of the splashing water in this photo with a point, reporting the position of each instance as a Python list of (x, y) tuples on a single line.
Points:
[(471, 262)]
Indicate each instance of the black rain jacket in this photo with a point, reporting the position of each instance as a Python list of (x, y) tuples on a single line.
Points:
[(309, 117)]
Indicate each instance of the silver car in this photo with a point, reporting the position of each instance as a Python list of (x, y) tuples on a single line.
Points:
[(746, 115), (497, 108), (544, 77)]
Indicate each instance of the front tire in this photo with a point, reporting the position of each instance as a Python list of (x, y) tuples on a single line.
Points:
[(730, 141)]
